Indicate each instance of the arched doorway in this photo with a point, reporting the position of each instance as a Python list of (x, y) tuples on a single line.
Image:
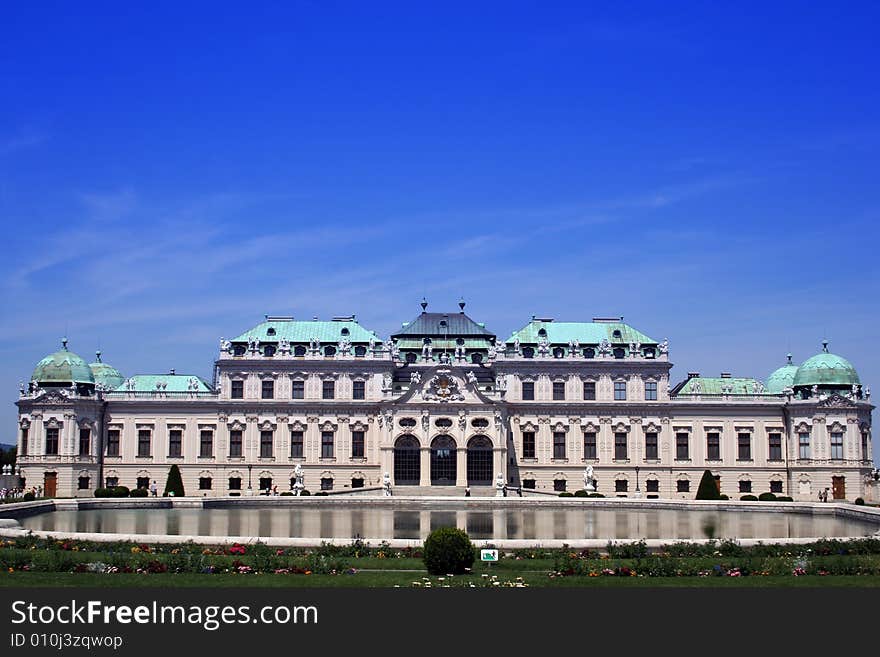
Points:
[(479, 461), (407, 461), (443, 461)]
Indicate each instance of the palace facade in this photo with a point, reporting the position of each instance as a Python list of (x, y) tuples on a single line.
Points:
[(445, 404)]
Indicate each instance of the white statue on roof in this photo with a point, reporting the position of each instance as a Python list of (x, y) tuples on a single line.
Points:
[(759, 387), (516, 345), (698, 387), (543, 345), (663, 347), (471, 378), (315, 345), (605, 347), (225, 345), (284, 346), (415, 378), (130, 385), (635, 349), (344, 346)]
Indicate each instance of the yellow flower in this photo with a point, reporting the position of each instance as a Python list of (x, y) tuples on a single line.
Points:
[(135, 549)]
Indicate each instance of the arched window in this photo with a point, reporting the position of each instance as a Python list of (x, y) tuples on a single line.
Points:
[(270, 331), (238, 350), (360, 352), (558, 352), (299, 350), (329, 350), (344, 331), (407, 461), (479, 461), (443, 461), (589, 352), (542, 332), (619, 352), (459, 341), (411, 357), (528, 352), (269, 350), (476, 357)]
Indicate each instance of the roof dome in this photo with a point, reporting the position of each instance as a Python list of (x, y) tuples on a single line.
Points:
[(826, 369), (105, 374), (62, 367), (782, 378)]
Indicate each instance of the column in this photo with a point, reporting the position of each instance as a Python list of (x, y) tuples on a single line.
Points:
[(425, 460), (461, 466)]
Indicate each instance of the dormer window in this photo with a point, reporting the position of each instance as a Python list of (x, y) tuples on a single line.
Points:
[(299, 350), (558, 352), (542, 332), (589, 352), (528, 352), (344, 331), (615, 333), (410, 357), (270, 331), (329, 350), (460, 342), (620, 352), (476, 357), (269, 350), (238, 350), (426, 340), (360, 351), (650, 353), (443, 324)]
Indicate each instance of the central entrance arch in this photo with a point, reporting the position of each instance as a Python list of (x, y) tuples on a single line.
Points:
[(443, 461), (407, 461), (479, 461)]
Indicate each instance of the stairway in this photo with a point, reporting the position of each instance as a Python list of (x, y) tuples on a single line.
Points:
[(444, 491)]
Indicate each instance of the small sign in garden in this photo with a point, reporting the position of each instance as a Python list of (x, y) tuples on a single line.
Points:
[(489, 555)]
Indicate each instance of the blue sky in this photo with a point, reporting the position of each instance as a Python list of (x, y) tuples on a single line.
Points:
[(170, 175)]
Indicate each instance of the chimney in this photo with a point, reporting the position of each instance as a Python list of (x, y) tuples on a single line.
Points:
[(693, 375), (172, 372), (725, 375)]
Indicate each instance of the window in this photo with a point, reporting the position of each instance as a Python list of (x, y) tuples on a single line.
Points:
[(359, 390), (528, 444), (239, 350), (142, 482), (237, 389), (681, 447), (235, 483), (51, 440), (297, 389), (775, 486), (836, 446), (268, 389), (621, 485), (744, 447), (619, 352), (713, 446), (559, 444), (865, 446), (85, 442), (326, 483), (113, 442), (329, 351), (651, 446), (206, 443), (175, 442), (745, 486), (775, 442), (803, 445), (357, 444), (82, 483), (620, 390), (651, 390), (269, 350), (652, 486), (25, 432), (326, 444), (205, 483), (476, 357), (266, 440), (529, 483), (559, 485), (589, 352), (589, 390), (144, 439), (235, 443), (296, 444), (528, 352), (357, 482), (265, 483), (589, 444), (559, 352), (111, 482), (299, 350), (328, 390), (528, 390), (359, 352), (559, 391), (620, 446), (683, 486), (411, 357)]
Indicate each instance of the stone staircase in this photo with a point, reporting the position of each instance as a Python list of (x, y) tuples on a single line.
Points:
[(444, 491)]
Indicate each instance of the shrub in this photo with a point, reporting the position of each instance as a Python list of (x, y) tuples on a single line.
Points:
[(174, 485), (767, 497), (28, 497), (287, 493), (581, 493), (723, 497), (749, 498), (860, 501), (102, 492), (708, 489), (322, 493), (565, 493), (304, 492), (119, 491), (139, 492), (784, 498), (595, 495), (448, 550)]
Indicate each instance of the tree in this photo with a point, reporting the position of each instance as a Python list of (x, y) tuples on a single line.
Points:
[(174, 485), (708, 489), (448, 550)]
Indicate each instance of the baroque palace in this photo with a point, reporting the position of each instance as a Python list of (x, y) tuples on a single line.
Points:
[(445, 404)]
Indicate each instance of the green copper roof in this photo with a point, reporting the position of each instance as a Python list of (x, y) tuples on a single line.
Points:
[(826, 369), (62, 367), (173, 383), (439, 344), (303, 331), (713, 386), (782, 378), (583, 332)]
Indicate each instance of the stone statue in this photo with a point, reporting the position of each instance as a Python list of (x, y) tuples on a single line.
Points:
[(21, 389), (284, 346), (386, 485), (415, 378), (500, 383), (426, 420), (867, 392), (372, 343), (298, 484), (315, 345), (605, 347), (386, 381), (815, 391), (459, 352), (462, 420), (543, 346), (444, 358), (72, 388), (516, 346), (759, 387), (855, 390), (344, 346), (698, 387), (588, 479), (500, 486), (471, 378), (34, 387), (635, 349), (663, 347), (225, 345), (426, 352)]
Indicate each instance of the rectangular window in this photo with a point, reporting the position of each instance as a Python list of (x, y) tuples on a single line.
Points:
[(529, 483), (143, 482), (528, 390), (357, 444), (206, 443), (51, 440), (559, 391), (775, 443), (589, 390), (620, 452), (744, 447), (621, 485), (745, 486), (836, 446), (652, 485), (237, 389), (359, 390), (235, 440), (651, 452), (205, 483), (803, 445), (85, 442), (590, 445), (620, 390), (328, 389), (559, 485), (235, 483), (265, 484), (266, 440), (268, 389), (297, 389), (144, 440), (296, 444), (683, 486), (83, 483), (111, 482), (326, 483), (559, 444), (175, 442), (326, 444), (357, 482), (651, 390), (713, 446), (113, 442), (865, 456), (25, 433), (681, 447), (528, 444), (776, 486)]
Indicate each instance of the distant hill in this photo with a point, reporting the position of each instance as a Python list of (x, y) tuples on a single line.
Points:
[(5, 446)]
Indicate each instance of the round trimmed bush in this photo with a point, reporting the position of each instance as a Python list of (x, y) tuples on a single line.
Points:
[(28, 497), (287, 493), (860, 501), (723, 497), (304, 492), (784, 498), (767, 497), (119, 491), (565, 493), (139, 492), (595, 495), (749, 498), (581, 493), (321, 493), (102, 492), (448, 550)]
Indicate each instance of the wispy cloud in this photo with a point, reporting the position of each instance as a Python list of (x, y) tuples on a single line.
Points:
[(22, 140)]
